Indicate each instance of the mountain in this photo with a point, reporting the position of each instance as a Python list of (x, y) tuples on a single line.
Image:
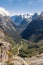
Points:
[(17, 19), (34, 31), (21, 21), (35, 16), (26, 15), (8, 27), (22, 26)]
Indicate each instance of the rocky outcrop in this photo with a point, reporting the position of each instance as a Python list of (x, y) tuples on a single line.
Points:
[(16, 60), (4, 49)]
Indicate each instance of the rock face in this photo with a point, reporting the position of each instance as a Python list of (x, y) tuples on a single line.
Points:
[(4, 48), (15, 60), (2, 36)]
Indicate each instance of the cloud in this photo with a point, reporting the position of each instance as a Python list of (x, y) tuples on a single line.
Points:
[(4, 12)]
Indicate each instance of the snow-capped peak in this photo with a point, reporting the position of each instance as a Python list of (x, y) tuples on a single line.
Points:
[(4, 12), (26, 16)]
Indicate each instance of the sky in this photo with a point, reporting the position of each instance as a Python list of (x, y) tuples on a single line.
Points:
[(22, 6)]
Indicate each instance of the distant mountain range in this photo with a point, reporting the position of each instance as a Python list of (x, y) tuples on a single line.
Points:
[(21, 21), (17, 19)]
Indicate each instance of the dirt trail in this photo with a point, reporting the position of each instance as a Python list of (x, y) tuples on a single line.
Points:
[(19, 49)]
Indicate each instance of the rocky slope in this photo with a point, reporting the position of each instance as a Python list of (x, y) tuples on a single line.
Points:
[(6, 55), (38, 60)]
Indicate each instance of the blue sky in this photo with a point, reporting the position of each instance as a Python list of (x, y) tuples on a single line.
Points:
[(22, 6)]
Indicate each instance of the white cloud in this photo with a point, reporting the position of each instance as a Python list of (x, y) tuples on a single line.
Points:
[(4, 12)]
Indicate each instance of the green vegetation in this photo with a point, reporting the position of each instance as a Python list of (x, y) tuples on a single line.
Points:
[(30, 49), (15, 49), (10, 40)]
